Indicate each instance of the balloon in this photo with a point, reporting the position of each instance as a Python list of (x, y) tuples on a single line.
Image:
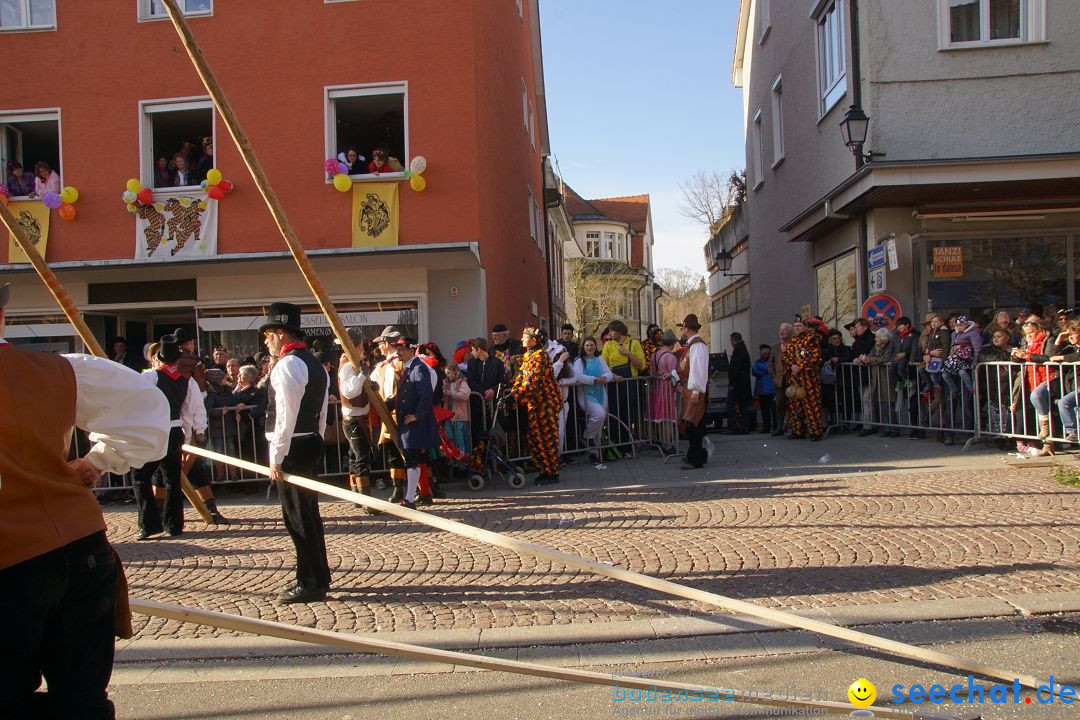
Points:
[(3, 200), (213, 176), (417, 183), (146, 196), (132, 209), (52, 200), (129, 197), (418, 164), (343, 168), (67, 212), (69, 195), (215, 193), (342, 182), (331, 166), (134, 185), (226, 186), (407, 174), (202, 186)]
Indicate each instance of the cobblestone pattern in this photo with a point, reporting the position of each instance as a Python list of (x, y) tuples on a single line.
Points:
[(853, 540)]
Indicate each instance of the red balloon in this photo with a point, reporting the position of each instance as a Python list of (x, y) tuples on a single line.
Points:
[(214, 192), (67, 211), (226, 186), (146, 196)]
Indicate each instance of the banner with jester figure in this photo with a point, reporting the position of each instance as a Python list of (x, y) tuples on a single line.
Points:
[(33, 216), (374, 214), (176, 227)]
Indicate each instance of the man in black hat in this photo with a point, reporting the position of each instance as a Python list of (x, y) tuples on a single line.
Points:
[(185, 402), (385, 376), (694, 373), (507, 349), (295, 423)]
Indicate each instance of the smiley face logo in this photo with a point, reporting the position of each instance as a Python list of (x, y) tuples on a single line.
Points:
[(862, 693)]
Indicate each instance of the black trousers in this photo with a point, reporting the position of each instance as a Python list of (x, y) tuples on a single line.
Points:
[(696, 455), (56, 620), (738, 414), (300, 509), (149, 519), (768, 408), (622, 397), (358, 433)]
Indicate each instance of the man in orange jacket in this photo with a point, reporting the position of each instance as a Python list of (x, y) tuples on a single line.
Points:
[(58, 608)]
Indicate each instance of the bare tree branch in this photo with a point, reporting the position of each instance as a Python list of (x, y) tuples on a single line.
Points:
[(709, 197)]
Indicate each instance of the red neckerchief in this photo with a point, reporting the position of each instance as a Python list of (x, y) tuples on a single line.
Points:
[(905, 334), (169, 370), (292, 346)]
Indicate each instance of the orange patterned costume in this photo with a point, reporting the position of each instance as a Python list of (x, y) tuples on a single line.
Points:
[(536, 389), (804, 413)]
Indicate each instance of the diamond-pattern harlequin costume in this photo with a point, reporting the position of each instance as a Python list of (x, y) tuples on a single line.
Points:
[(804, 413), (535, 387)]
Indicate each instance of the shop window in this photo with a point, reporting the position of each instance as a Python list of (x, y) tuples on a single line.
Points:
[(174, 133), (155, 9), (27, 139), (837, 291), (27, 14), (831, 55), (368, 119)]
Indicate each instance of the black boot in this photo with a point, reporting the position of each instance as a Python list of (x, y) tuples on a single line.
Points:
[(399, 491), (215, 515), (366, 490)]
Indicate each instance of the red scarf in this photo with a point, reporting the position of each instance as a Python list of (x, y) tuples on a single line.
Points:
[(292, 346), (169, 370)]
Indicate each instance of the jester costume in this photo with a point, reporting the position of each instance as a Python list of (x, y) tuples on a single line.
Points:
[(804, 409), (536, 389)]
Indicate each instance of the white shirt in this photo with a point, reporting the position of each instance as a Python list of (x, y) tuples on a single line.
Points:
[(351, 385), (699, 367), (289, 379), (125, 413), (193, 411)]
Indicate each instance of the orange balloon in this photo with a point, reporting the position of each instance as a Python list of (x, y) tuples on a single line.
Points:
[(67, 212), (3, 199)]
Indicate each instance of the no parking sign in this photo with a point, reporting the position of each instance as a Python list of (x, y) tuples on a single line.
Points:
[(882, 311)]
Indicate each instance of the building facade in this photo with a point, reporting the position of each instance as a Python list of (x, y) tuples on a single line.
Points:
[(459, 84), (965, 196), (727, 257)]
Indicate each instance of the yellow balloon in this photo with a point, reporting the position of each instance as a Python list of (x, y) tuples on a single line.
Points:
[(417, 183), (213, 176), (134, 185), (69, 195), (132, 209), (342, 182)]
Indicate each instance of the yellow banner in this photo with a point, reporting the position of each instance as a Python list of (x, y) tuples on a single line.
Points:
[(374, 214), (33, 216)]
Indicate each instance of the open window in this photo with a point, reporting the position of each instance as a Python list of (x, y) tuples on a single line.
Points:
[(27, 15), (155, 9), (367, 119), (26, 139), (177, 142)]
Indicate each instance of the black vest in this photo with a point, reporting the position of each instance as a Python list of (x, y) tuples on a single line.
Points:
[(175, 392), (311, 404)]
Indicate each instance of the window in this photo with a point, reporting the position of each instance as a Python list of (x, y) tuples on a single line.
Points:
[(173, 131), (778, 120), (765, 19), (155, 9), (836, 290), (757, 151), (620, 247), (973, 23), (609, 246), (735, 299), (28, 138), (532, 126), (831, 55), (27, 14), (532, 214), (525, 105), (521, 9), (592, 244), (367, 118), (539, 228)]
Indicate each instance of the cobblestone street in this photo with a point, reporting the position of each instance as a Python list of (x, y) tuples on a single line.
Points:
[(897, 535)]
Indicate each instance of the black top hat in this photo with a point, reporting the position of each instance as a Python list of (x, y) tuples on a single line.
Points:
[(5, 294), (182, 335), (168, 350), (283, 316)]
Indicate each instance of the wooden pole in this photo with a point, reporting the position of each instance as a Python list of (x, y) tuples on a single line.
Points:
[(417, 652), (75, 317), (262, 182), (664, 586)]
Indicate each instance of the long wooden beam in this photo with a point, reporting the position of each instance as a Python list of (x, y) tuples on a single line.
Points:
[(523, 547), (67, 305), (416, 652), (277, 210)]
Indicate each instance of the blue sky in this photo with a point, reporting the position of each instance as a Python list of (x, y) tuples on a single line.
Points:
[(639, 97)]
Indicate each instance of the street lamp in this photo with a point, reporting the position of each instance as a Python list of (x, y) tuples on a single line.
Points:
[(854, 128), (723, 263)]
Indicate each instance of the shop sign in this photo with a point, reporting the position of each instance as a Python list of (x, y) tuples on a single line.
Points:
[(949, 261)]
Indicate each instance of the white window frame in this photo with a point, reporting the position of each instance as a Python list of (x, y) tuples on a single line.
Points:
[(592, 237), (620, 247), (540, 233), (830, 31), (35, 115), (521, 10), (778, 120), (765, 19), (532, 214), (24, 6), (525, 105), (1032, 26), (757, 150), (607, 247), (333, 92), (145, 11), (532, 126), (146, 132)]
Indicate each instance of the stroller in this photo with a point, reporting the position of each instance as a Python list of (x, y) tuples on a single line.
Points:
[(490, 455)]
